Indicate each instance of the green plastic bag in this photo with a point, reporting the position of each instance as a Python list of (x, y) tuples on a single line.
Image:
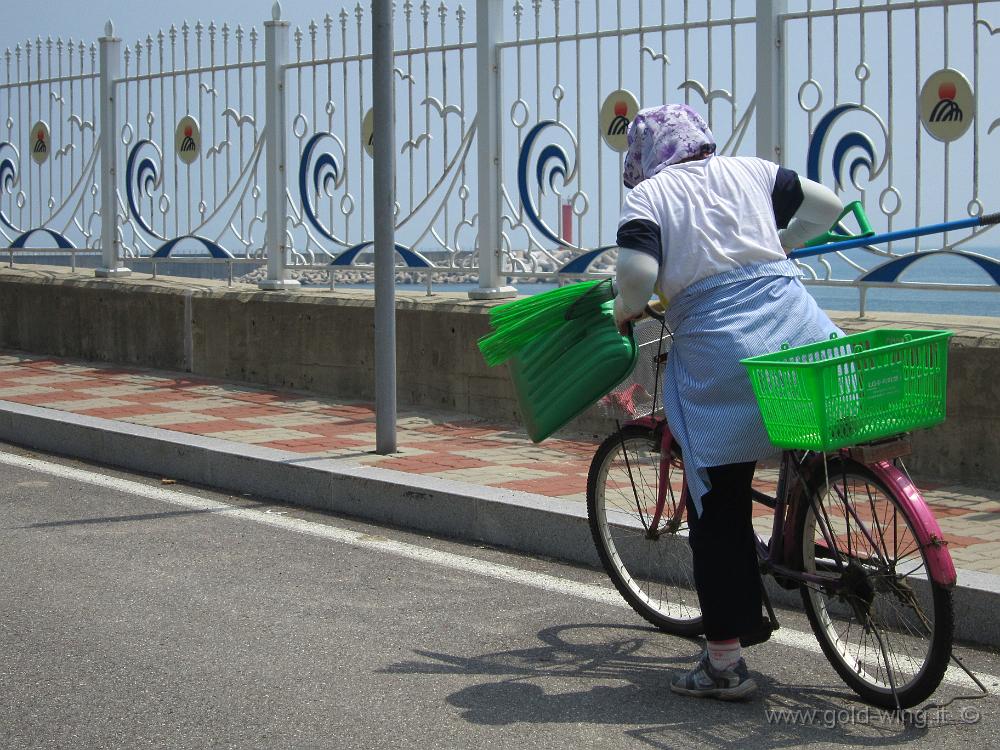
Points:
[(562, 373)]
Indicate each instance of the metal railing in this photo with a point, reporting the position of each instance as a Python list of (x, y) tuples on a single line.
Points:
[(330, 209), (853, 121), (48, 144), (563, 189), (190, 143), (195, 143)]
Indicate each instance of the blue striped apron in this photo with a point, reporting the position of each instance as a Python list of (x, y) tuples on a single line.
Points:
[(716, 322)]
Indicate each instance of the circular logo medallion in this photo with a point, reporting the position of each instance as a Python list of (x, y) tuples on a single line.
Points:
[(41, 142), (187, 139), (368, 132), (616, 115), (947, 105)]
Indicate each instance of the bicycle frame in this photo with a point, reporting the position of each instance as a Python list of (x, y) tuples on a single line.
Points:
[(666, 441), (778, 555)]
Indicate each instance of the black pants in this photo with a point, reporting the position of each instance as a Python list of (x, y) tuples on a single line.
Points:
[(725, 561)]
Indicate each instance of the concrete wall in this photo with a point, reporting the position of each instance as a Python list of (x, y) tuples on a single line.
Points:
[(324, 342), (51, 312), (315, 341)]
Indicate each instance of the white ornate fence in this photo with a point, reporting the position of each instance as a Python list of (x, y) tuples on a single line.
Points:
[(48, 185), (331, 215), (562, 186), (207, 80), (208, 158), (860, 109)]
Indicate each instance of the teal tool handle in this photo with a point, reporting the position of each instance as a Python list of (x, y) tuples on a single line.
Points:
[(836, 235)]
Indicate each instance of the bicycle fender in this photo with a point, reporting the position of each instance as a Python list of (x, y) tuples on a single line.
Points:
[(939, 562)]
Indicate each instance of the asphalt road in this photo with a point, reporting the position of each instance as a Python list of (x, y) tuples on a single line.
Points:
[(138, 615)]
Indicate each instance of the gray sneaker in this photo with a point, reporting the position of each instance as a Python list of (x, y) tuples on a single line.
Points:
[(705, 681)]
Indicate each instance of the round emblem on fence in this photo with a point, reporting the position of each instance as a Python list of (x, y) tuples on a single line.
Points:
[(947, 105), (187, 139), (616, 115), (41, 142), (368, 132)]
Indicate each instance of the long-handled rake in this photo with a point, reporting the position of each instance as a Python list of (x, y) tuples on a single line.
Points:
[(843, 242)]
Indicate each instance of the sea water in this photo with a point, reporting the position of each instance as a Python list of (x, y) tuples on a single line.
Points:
[(933, 269)]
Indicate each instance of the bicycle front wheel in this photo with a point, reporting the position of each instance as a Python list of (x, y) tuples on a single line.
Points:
[(647, 557), (881, 620)]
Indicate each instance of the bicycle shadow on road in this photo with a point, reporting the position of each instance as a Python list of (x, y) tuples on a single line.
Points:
[(618, 675)]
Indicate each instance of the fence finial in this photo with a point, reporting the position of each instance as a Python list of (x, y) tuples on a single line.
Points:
[(109, 29), (276, 11)]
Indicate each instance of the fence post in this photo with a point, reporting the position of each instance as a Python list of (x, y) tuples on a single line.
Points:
[(489, 26), (110, 59), (275, 144), (770, 79)]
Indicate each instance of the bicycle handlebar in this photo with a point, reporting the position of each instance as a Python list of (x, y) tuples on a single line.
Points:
[(653, 313)]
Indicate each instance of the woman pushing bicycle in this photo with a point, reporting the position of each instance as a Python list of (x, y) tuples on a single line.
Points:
[(710, 234)]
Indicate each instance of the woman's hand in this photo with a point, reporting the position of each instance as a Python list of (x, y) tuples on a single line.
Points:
[(623, 317)]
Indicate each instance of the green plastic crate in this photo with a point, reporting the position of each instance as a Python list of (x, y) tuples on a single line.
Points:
[(852, 389), (563, 372)]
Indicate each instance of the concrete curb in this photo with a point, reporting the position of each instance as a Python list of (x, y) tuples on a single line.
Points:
[(516, 520)]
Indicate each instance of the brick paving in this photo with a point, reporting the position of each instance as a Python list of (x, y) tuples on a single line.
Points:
[(431, 443)]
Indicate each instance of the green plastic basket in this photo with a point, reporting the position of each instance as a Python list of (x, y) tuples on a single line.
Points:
[(853, 389)]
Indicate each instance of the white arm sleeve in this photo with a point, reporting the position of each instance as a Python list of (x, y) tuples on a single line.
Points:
[(635, 279), (820, 208)]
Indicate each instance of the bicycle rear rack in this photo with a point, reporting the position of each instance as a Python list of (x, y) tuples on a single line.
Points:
[(882, 450)]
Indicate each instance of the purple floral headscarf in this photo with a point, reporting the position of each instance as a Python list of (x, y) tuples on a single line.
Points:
[(661, 136)]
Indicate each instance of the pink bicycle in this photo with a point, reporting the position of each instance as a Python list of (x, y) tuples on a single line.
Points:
[(847, 528)]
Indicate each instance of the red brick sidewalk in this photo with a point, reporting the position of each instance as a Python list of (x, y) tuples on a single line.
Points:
[(445, 445), (440, 444)]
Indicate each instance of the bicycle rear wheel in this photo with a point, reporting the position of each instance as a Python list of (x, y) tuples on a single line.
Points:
[(651, 566), (880, 619)]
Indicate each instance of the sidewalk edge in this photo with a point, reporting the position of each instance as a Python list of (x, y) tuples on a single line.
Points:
[(519, 521)]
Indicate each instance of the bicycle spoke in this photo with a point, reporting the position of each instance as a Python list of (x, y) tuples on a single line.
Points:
[(878, 526), (652, 564)]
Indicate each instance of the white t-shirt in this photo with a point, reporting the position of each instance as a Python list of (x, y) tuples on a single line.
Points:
[(714, 215)]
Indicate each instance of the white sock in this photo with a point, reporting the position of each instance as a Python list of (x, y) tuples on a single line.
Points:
[(724, 654)]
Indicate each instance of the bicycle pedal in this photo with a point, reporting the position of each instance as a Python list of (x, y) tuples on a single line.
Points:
[(789, 584), (761, 635)]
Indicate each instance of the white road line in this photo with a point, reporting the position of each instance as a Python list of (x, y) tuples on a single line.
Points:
[(600, 594)]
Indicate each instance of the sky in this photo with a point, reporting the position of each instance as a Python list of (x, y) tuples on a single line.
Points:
[(69, 18)]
